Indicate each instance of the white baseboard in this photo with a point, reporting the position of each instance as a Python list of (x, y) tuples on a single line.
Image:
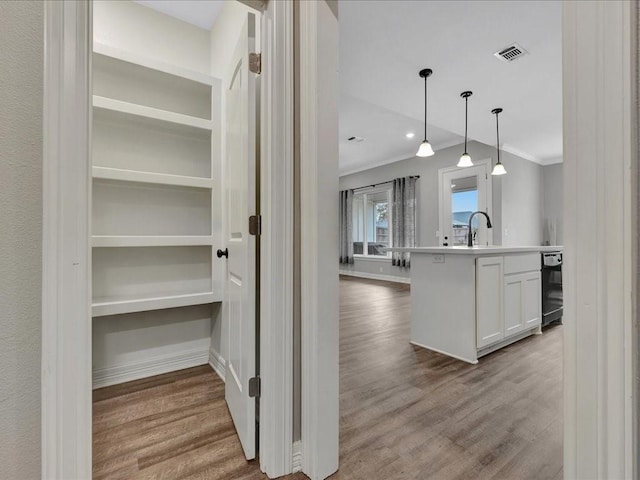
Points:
[(376, 276), (217, 363), (297, 457), (104, 377)]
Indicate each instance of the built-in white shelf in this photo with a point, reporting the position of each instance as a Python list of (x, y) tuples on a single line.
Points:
[(152, 63), (145, 209), (150, 177), (116, 306), (150, 112), (151, 241)]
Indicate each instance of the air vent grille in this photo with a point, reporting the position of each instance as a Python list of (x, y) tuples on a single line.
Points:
[(511, 53)]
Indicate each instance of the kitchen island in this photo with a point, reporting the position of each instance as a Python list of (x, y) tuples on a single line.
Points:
[(467, 302)]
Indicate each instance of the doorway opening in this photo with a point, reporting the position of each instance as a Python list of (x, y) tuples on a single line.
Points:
[(445, 369), (175, 272)]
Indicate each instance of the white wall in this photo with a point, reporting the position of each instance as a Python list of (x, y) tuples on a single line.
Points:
[(553, 206), (522, 202), (21, 76), (124, 345), (517, 199), (141, 30)]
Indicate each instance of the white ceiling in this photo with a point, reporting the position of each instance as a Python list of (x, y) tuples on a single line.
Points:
[(384, 44), (384, 132), (201, 13)]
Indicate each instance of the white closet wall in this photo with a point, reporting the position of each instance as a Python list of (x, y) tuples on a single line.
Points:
[(156, 195)]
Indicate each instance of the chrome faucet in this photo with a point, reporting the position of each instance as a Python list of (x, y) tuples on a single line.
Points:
[(470, 233)]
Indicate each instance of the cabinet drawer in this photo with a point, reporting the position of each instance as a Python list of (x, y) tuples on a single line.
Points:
[(521, 263)]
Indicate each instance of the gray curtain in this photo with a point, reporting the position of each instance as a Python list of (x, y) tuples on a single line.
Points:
[(404, 219), (346, 226)]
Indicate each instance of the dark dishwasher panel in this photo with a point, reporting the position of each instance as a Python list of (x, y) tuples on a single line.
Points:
[(551, 287)]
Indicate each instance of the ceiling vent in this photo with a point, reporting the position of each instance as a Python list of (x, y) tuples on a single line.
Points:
[(355, 139), (511, 53)]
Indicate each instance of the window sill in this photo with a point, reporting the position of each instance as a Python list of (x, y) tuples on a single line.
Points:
[(372, 258)]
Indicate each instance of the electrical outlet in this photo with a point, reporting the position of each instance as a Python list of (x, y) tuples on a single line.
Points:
[(437, 258), (381, 269)]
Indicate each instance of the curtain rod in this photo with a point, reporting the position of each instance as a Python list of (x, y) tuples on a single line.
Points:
[(382, 183)]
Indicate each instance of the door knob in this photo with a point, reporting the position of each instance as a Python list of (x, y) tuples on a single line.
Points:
[(223, 253)]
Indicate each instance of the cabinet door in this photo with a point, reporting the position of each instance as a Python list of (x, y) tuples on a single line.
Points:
[(522, 302), (513, 304), (489, 284), (532, 300)]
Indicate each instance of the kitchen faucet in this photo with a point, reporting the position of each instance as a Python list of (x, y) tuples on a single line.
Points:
[(469, 232)]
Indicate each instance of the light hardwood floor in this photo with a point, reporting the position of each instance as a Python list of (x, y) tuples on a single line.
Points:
[(405, 412)]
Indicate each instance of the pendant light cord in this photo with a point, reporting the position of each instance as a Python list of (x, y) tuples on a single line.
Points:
[(425, 108), (466, 119), (498, 136)]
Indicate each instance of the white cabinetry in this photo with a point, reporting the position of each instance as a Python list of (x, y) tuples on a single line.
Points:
[(521, 302), (507, 297), (489, 318), (469, 302)]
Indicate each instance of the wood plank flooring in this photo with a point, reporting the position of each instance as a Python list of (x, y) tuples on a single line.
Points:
[(405, 412), (409, 413)]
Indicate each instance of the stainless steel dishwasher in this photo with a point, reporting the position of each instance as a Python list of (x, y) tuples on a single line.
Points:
[(551, 268)]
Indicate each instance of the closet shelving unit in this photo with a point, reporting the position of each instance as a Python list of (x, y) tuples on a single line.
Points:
[(155, 141)]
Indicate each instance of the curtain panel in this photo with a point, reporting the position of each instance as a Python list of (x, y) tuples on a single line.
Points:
[(404, 219), (346, 226)]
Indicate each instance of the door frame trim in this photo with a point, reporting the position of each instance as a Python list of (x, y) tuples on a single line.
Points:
[(66, 253), (319, 296), (276, 240), (66, 382), (600, 155)]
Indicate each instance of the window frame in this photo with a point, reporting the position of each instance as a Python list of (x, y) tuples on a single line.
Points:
[(388, 189)]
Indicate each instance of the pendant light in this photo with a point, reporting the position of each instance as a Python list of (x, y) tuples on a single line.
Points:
[(425, 149), (465, 159), (499, 168)]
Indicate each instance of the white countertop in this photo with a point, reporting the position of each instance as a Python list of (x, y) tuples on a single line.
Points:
[(478, 250)]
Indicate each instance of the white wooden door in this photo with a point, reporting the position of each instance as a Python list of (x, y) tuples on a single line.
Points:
[(239, 305), (489, 317)]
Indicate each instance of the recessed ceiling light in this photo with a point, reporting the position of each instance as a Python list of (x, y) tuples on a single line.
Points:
[(410, 135)]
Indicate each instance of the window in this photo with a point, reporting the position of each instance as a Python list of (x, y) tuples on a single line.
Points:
[(464, 201), (372, 222)]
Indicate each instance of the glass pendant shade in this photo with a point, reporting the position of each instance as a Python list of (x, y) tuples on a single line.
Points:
[(465, 160), (498, 169), (425, 149)]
